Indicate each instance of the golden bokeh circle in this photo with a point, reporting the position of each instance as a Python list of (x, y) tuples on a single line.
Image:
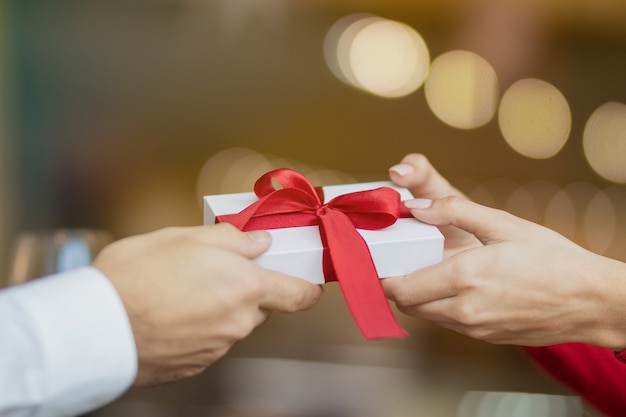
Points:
[(388, 58), (604, 141), (462, 89), (534, 118)]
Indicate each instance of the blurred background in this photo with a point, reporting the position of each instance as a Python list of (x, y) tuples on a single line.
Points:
[(119, 115)]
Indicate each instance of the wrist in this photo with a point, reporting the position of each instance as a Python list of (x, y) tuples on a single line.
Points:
[(610, 294)]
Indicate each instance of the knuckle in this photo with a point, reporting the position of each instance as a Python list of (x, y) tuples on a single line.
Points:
[(502, 215), (246, 325), (183, 372), (464, 275), (170, 234), (241, 328), (418, 160), (403, 297), (207, 357), (225, 227), (170, 231), (296, 302), (249, 290), (479, 332), (317, 296), (235, 328), (240, 291), (225, 232), (194, 370), (453, 203), (466, 314)]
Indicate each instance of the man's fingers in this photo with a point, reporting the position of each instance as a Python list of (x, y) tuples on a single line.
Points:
[(487, 224), (288, 294), (416, 173), (226, 236), (279, 291)]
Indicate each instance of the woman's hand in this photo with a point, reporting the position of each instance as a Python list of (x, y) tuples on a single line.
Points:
[(505, 279), (417, 174)]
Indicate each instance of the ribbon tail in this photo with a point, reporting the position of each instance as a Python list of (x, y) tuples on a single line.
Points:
[(357, 277)]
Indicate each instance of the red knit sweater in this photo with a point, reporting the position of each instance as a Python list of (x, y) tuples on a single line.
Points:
[(590, 371)]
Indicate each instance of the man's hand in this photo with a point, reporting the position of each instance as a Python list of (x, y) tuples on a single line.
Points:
[(191, 293)]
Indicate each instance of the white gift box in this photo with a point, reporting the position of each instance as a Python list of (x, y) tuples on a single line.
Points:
[(399, 249)]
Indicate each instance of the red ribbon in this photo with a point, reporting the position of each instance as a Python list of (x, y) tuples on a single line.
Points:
[(346, 256)]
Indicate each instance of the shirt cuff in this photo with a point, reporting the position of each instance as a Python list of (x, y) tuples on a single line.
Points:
[(82, 337)]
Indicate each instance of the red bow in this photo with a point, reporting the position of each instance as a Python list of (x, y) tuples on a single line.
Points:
[(346, 256)]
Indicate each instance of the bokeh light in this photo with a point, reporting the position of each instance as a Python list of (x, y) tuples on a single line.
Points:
[(560, 214), (599, 223), (462, 89), (265, 386), (74, 253), (518, 404), (604, 141), (534, 118), (236, 169), (209, 180), (338, 41), (474, 190), (580, 211), (568, 212), (389, 59), (617, 250), (522, 203), (500, 189), (381, 56), (145, 205), (243, 172), (531, 200)]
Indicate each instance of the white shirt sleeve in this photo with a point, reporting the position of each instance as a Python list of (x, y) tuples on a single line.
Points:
[(66, 345)]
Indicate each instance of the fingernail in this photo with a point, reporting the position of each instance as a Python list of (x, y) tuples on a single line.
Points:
[(402, 169), (260, 236), (418, 203)]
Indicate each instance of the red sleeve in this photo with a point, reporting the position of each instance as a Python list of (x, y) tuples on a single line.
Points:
[(590, 371)]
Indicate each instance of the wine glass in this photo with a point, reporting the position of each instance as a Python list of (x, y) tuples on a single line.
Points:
[(40, 252)]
